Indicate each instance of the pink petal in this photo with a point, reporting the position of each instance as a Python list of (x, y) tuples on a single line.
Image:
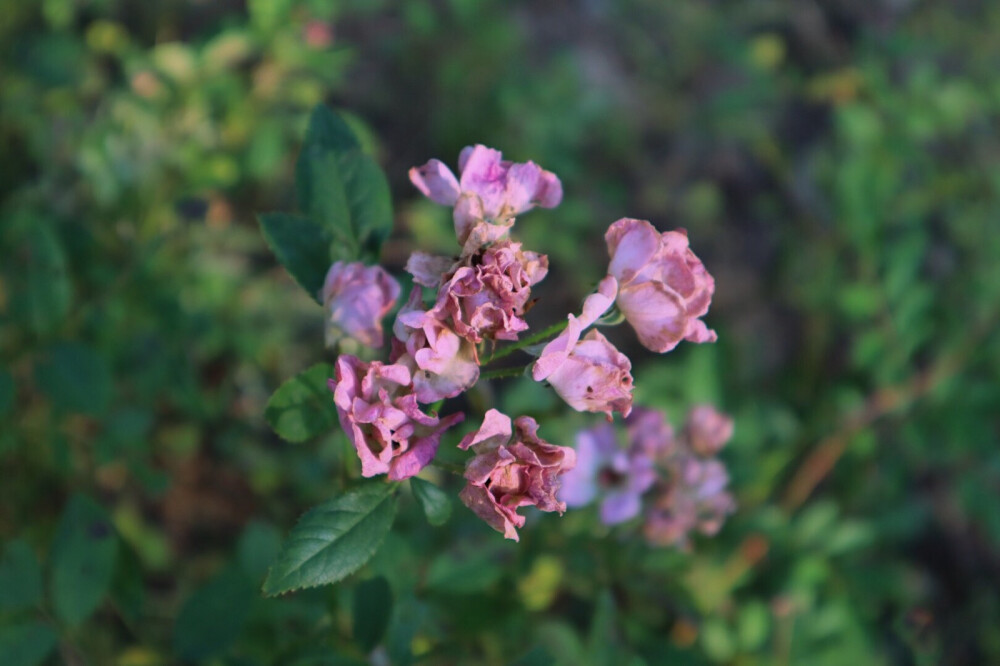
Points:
[(436, 181), (631, 245)]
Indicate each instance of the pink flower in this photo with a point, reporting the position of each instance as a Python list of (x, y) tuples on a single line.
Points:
[(511, 469), (356, 298), (443, 364), (488, 194), (487, 298), (378, 411), (707, 430), (503, 188), (589, 374), (663, 287), (695, 500)]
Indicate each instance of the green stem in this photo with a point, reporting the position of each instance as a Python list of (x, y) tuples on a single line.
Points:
[(450, 467), (530, 340), (501, 373)]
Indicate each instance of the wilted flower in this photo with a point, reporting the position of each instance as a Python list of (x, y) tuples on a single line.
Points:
[(487, 298), (443, 363), (356, 298), (378, 411), (663, 288), (590, 374), (512, 468)]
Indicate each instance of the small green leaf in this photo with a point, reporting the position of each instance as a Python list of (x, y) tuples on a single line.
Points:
[(328, 130), (26, 644), (371, 610), (83, 559), (407, 617), (301, 245), (75, 378), (36, 272), (434, 501), (257, 548), (601, 644), (333, 539), (214, 616), (7, 392), (303, 406), (20, 577), (463, 574)]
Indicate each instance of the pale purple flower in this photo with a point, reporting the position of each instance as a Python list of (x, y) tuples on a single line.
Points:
[(378, 410), (356, 298), (663, 288), (604, 469), (487, 298), (512, 468), (443, 363), (590, 374)]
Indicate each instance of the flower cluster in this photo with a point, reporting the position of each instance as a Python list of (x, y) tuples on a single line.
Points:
[(677, 476), (482, 295)]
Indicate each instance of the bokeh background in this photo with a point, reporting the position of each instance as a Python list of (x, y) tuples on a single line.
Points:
[(836, 164)]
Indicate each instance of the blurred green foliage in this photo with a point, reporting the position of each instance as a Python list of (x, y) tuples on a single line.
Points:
[(835, 164)]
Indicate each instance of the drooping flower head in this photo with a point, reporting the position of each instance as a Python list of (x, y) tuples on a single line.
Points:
[(356, 298), (590, 374), (443, 364), (512, 468), (378, 410), (663, 288)]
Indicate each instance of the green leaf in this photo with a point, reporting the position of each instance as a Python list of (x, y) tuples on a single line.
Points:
[(257, 548), (369, 200), (333, 539), (371, 610), (26, 644), (601, 643), (407, 617), (75, 378), (329, 131), (323, 198), (469, 573), (7, 392), (303, 406), (434, 501), (214, 616), (83, 559), (20, 577), (342, 189), (39, 284), (301, 245)]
